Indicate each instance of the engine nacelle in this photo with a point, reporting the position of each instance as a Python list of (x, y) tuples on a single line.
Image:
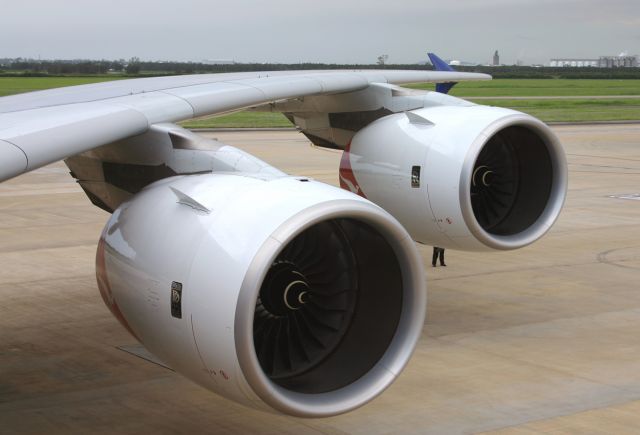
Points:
[(285, 292), (464, 177)]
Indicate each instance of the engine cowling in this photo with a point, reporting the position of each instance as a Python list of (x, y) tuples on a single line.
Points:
[(282, 293), (465, 177)]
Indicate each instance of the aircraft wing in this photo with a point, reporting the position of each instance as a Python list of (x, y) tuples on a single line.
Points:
[(276, 291), (39, 128)]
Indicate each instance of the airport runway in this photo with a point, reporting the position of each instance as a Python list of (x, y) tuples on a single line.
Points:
[(545, 339)]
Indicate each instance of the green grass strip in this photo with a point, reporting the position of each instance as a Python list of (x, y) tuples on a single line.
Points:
[(241, 120), (540, 87), (578, 110), (18, 85)]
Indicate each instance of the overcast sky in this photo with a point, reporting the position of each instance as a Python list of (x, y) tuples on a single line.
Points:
[(332, 31)]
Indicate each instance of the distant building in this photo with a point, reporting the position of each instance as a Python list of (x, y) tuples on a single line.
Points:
[(456, 62), (623, 61), (496, 59), (218, 62), (573, 63)]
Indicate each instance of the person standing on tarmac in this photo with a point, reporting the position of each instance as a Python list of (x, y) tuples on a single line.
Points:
[(437, 252)]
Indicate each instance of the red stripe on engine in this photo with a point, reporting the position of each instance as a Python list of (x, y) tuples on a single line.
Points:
[(347, 177), (105, 287)]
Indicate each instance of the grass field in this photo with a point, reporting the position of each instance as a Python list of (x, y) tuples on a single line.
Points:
[(565, 110), (537, 88), (241, 119), (574, 110), (18, 85)]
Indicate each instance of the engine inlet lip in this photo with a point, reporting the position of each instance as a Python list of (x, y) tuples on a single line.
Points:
[(556, 197), (401, 347)]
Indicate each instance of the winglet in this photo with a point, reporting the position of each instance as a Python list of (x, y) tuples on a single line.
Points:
[(441, 65), (185, 199)]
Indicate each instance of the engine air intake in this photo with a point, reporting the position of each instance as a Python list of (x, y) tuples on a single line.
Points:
[(328, 307), (511, 181), (306, 302)]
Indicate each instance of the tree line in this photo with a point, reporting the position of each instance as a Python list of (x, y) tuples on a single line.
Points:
[(135, 67)]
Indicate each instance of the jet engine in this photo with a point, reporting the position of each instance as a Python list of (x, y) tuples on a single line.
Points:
[(467, 177), (276, 292)]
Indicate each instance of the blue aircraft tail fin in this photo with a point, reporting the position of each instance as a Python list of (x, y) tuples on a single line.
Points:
[(441, 65)]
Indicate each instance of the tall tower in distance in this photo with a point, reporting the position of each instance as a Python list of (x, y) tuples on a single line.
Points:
[(496, 58)]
